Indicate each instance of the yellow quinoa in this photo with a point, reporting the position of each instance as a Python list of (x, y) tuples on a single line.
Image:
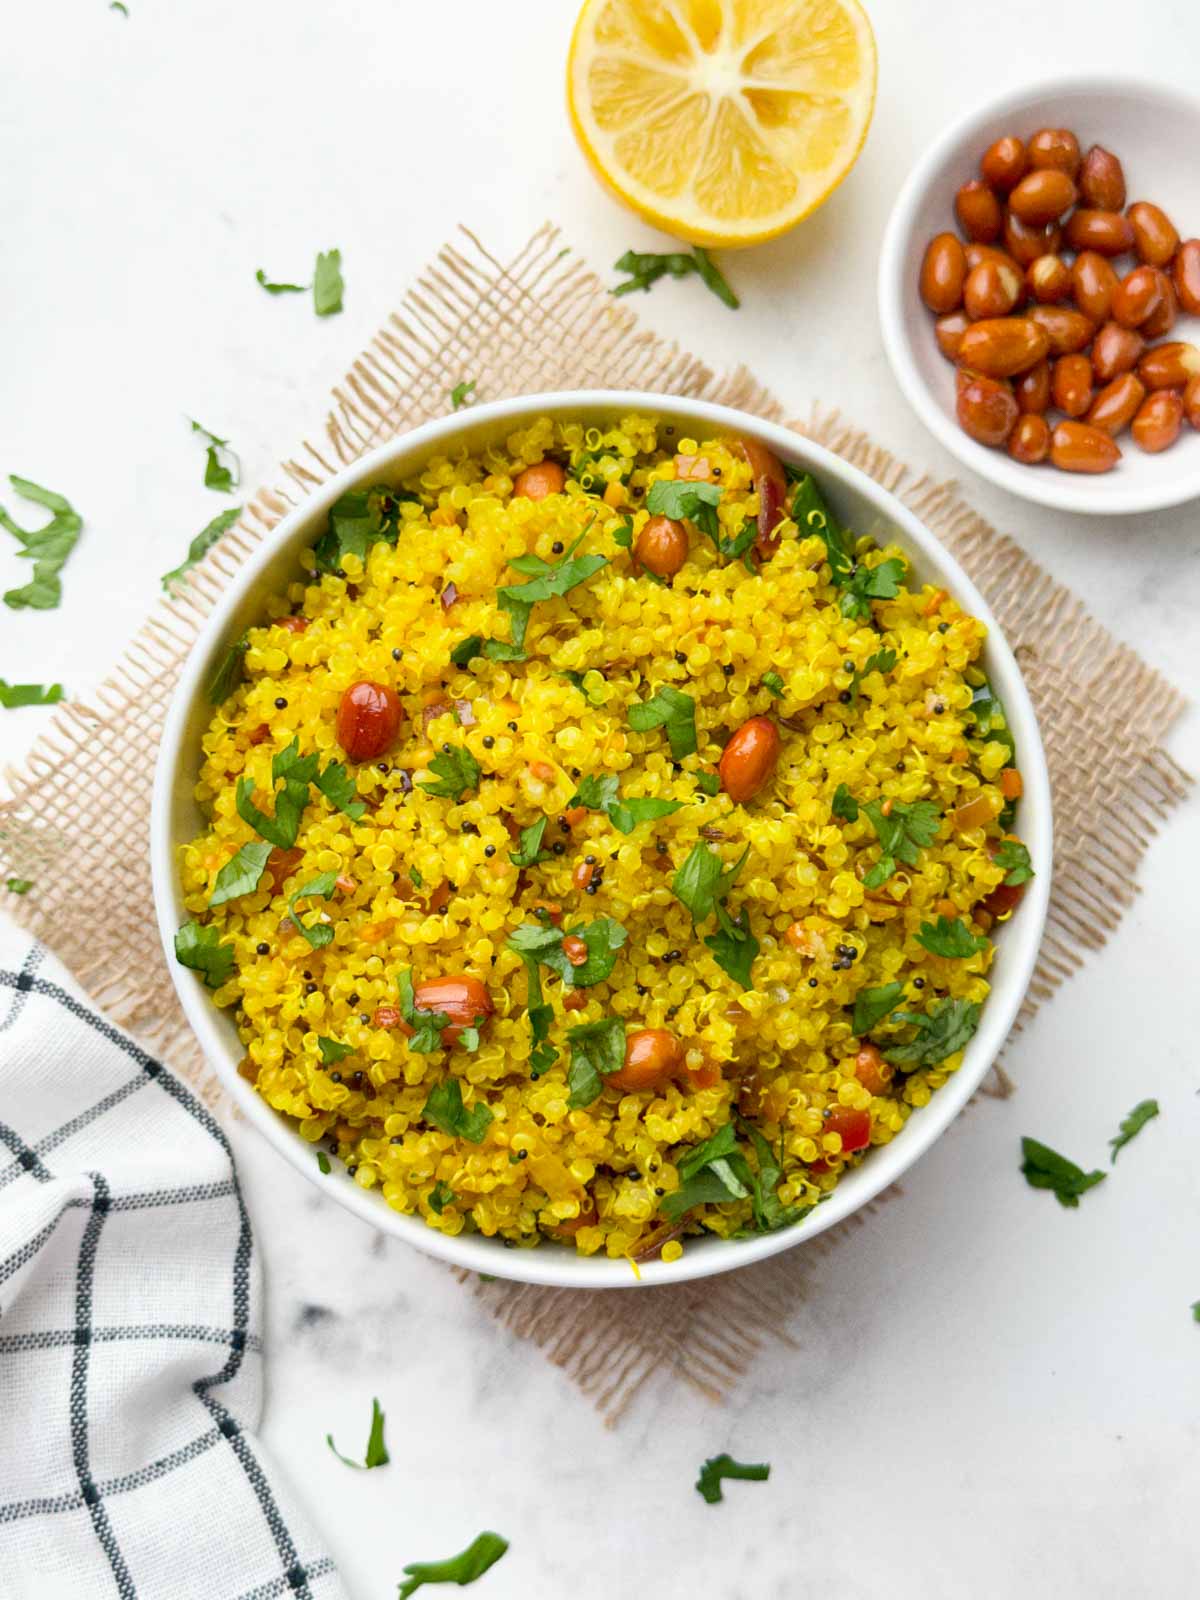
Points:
[(878, 707)]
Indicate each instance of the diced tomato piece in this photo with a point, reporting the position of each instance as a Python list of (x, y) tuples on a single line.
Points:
[(854, 1127)]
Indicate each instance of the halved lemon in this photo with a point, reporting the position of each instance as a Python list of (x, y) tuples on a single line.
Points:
[(723, 122)]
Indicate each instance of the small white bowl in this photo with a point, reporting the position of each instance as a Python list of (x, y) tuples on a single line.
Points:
[(1156, 133), (175, 818)]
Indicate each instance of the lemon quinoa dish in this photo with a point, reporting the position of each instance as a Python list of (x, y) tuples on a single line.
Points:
[(604, 844)]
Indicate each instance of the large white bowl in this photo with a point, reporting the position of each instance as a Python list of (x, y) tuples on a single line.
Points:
[(1156, 134), (175, 819)]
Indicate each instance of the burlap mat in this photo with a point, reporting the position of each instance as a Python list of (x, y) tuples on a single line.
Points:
[(76, 819)]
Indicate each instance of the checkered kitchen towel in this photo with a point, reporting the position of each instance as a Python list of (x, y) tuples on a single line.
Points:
[(130, 1356)]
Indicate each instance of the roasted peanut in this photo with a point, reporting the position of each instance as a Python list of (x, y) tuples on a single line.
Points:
[(1004, 164), (1185, 270), (1191, 402), (368, 719), (978, 212), (1115, 407), (1041, 196), (1032, 389), (652, 1056), (1102, 180), (942, 274), (1094, 283), (991, 290), (1055, 147), (749, 758), (1066, 330), (1165, 314), (1049, 280), (948, 331), (1029, 442), (1154, 235), (1072, 385), (1107, 232), (986, 409), (539, 480), (1159, 419), (977, 254), (662, 546), (460, 997), (1168, 366), (1002, 346), (1137, 295), (1026, 243), (1074, 447), (1115, 350)]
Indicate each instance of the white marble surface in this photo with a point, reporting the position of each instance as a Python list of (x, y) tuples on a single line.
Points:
[(989, 1395)]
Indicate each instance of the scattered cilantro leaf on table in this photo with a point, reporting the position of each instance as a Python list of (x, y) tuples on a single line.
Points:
[(950, 937), (217, 474), (645, 268), (201, 545), (328, 286), (199, 946), (264, 282), (15, 695), (444, 1108), (47, 547), (483, 1552), (1046, 1169), (376, 1455), (18, 885), (1132, 1125), (461, 394), (724, 1466)]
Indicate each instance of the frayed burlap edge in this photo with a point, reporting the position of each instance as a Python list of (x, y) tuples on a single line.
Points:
[(76, 817)]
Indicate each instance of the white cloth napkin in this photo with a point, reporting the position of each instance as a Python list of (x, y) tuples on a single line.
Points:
[(130, 1351)]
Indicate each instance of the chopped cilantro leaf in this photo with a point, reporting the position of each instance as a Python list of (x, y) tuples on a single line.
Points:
[(323, 1163), (703, 881), (813, 517), (1132, 1125), (710, 1174), (376, 1455), (991, 723), (668, 708), (201, 545), (340, 789), (678, 498), (645, 268), (1195, 1309), (441, 1196), (1046, 1169), (947, 1026), (596, 793), (457, 771), (297, 772), (14, 695), (1013, 856), (773, 683), (601, 794), (320, 933), (261, 278), (359, 519), (603, 938), (18, 885), (770, 1213), (550, 582), (327, 283), (542, 1055), (950, 937), (871, 583), (872, 1005), (427, 1026), (734, 948), (483, 1552), (199, 947), (445, 1109), (217, 473), (724, 1466), (881, 661), (47, 547), (466, 650), (229, 672), (622, 534), (529, 850), (844, 804), (240, 875), (597, 1049), (333, 1050), (707, 782), (461, 393), (905, 829)]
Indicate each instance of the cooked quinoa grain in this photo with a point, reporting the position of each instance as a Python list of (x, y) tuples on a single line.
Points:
[(548, 903)]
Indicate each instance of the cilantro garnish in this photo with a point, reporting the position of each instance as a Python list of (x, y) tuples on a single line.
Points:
[(483, 1552), (947, 1026), (241, 874), (673, 710), (323, 1163), (647, 267), (1132, 1125), (703, 881), (710, 1174), (217, 473), (357, 520), (427, 1026), (542, 1055), (678, 498), (813, 517), (872, 1005), (547, 581), (261, 278), (770, 1213), (1013, 856), (950, 937), (601, 794), (18, 885), (844, 804), (457, 771), (229, 672), (119, 5), (603, 938), (327, 283), (597, 1050), (529, 850), (907, 828), (881, 661), (991, 723), (461, 393), (466, 650), (441, 1196), (47, 547), (734, 948), (333, 1050), (318, 934), (201, 545), (297, 772), (773, 684), (199, 947), (376, 1455), (871, 583), (707, 782), (14, 695), (445, 1109), (340, 789), (1046, 1169), (724, 1466)]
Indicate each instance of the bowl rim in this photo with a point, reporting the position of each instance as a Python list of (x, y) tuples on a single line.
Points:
[(1057, 490), (557, 1267)]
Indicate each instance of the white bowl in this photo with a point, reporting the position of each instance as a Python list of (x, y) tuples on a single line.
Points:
[(1156, 134), (864, 506)]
